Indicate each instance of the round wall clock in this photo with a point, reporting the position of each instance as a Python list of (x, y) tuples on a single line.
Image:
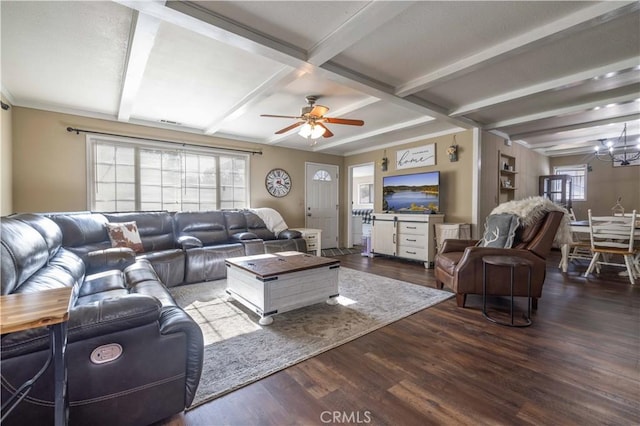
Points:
[(278, 182)]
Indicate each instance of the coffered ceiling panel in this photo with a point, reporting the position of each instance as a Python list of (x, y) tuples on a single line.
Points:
[(435, 34), (44, 64), (301, 24), (193, 80)]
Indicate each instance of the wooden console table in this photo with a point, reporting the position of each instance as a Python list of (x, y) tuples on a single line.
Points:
[(24, 311)]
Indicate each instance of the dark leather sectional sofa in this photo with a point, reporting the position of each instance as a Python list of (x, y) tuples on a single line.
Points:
[(119, 297)]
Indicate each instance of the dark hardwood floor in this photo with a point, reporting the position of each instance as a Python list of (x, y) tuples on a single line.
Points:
[(579, 363)]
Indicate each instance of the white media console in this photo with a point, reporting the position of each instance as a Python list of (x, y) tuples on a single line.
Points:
[(409, 236)]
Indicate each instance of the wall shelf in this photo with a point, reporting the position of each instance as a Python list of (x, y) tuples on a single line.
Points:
[(506, 177)]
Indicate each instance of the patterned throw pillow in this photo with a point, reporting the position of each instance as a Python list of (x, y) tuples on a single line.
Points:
[(499, 230), (125, 234)]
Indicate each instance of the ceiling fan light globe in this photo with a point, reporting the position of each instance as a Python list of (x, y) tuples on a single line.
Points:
[(306, 130), (317, 132)]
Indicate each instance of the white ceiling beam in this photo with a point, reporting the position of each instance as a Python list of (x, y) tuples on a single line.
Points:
[(384, 92), (144, 29), (544, 86), (403, 141), (594, 123), (631, 97), (591, 15), (274, 83), (372, 16), (377, 132), (192, 17)]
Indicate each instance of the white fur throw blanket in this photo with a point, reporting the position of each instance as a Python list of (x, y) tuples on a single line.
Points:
[(275, 223), (532, 209)]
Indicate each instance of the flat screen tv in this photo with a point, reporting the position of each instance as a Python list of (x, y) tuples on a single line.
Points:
[(413, 193)]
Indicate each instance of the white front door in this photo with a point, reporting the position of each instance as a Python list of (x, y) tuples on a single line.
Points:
[(321, 197)]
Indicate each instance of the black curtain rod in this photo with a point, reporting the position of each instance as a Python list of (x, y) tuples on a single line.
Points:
[(247, 151)]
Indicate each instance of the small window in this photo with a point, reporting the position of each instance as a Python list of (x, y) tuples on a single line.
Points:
[(365, 192), (322, 175), (578, 175)]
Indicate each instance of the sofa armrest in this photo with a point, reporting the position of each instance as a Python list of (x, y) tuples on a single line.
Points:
[(175, 320), (243, 236), (187, 241), (289, 234), (111, 258), (456, 245), (85, 321), (474, 255)]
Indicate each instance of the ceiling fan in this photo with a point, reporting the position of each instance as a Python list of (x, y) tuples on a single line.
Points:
[(312, 120)]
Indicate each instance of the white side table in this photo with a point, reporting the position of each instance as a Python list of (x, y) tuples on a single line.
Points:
[(313, 237)]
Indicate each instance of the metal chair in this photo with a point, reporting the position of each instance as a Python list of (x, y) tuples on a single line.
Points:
[(613, 235)]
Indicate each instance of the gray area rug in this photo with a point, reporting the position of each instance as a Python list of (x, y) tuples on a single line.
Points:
[(238, 351)]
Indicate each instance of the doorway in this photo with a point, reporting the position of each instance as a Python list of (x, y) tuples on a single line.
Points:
[(321, 200), (361, 197)]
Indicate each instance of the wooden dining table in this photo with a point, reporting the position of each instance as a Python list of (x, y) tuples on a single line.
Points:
[(582, 226)]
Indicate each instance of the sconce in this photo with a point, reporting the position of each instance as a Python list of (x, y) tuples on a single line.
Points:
[(384, 164), (452, 151)]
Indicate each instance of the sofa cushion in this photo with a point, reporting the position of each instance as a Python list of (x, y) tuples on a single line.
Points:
[(155, 228), (256, 225), (125, 234), (499, 230), (209, 227)]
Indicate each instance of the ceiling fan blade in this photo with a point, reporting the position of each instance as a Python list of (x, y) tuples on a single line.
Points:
[(344, 121), (327, 132), (286, 129), (318, 110), (279, 116)]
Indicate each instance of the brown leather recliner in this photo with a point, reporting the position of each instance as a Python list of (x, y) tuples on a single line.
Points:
[(459, 263)]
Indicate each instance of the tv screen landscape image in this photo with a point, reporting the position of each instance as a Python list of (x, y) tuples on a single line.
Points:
[(413, 193)]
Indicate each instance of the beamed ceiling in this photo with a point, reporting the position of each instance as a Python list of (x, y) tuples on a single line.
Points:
[(554, 76)]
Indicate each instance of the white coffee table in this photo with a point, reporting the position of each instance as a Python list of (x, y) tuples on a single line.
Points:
[(270, 284)]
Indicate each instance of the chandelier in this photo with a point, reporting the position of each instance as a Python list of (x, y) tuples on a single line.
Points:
[(618, 151)]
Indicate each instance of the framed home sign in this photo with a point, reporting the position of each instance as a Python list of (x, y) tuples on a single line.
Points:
[(416, 157)]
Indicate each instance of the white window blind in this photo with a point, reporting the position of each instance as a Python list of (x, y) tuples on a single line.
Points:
[(126, 175), (578, 175)]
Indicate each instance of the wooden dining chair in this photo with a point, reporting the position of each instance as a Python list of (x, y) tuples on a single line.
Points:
[(614, 236), (580, 247)]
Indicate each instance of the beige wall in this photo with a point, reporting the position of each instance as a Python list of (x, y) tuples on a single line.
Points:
[(605, 184), (49, 163), (455, 178), (49, 167), (529, 166), (6, 160)]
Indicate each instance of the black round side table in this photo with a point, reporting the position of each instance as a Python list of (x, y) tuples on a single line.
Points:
[(511, 262)]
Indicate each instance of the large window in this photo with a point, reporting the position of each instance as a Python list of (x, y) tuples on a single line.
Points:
[(578, 175), (126, 175)]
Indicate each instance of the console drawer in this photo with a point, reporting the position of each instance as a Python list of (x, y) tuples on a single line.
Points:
[(412, 252)]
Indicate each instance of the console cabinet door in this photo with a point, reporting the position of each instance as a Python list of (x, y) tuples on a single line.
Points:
[(383, 237)]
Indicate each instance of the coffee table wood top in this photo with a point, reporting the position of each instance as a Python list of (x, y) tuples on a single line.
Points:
[(273, 264)]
